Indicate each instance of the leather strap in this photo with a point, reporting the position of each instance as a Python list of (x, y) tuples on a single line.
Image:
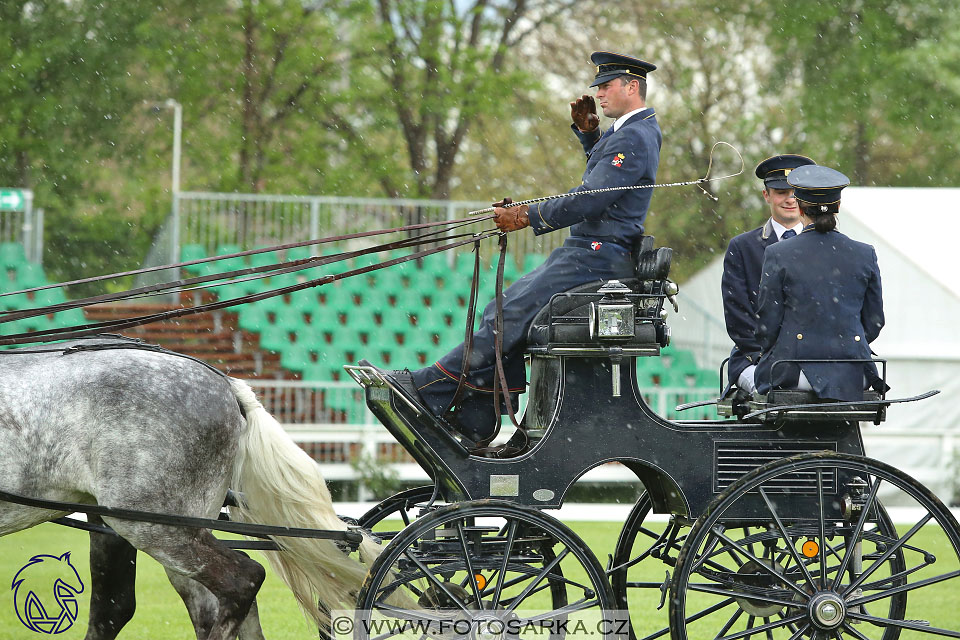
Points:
[(455, 405), (78, 331)]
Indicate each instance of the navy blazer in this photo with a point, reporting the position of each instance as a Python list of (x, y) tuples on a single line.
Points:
[(820, 297), (740, 286), (628, 156)]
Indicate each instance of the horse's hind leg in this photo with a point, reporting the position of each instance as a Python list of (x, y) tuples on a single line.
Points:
[(232, 578), (113, 574), (202, 607)]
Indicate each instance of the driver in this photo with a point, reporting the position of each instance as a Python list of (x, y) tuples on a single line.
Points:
[(603, 231)]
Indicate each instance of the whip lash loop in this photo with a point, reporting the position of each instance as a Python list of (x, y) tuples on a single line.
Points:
[(572, 194)]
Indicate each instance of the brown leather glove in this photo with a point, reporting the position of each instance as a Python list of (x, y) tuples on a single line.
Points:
[(513, 218), (503, 202), (583, 110)]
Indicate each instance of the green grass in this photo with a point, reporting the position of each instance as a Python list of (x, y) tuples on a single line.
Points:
[(161, 615)]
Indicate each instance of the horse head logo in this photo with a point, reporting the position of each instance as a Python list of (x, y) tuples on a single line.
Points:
[(45, 593)]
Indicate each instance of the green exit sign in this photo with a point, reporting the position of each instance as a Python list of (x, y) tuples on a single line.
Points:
[(13, 199)]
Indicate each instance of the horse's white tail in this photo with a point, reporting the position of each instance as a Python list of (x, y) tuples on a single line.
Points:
[(282, 485)]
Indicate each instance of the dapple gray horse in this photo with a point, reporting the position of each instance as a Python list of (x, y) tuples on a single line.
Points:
[(139, 429)]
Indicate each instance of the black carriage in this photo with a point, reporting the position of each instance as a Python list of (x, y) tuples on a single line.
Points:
[(773, 521)]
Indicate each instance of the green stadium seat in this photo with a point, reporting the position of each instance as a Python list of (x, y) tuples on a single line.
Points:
[(47, 297), (69, 318), (680, 359), (289, 317), (361, 321), (29, 275), (676, 378), (229, 291), (464, 264), (381, 338), (707, 379), (345, 401), (389, 279), (402, 356), (337, 299), (411, 301), (229, 264), (15, 301), (298, 356), (254, 316), (321, 371), (396, 319), (275, 338), (424, 282), (283, 280), (374, 300), (190, 252), (12, 255), (306, 301), (264, 259), (313, 335), (346, 340), (36, 323)]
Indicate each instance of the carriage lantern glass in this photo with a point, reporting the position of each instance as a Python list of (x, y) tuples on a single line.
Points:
[(613, 314)]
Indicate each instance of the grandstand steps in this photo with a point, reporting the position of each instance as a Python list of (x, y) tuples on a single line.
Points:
[(212, 337)]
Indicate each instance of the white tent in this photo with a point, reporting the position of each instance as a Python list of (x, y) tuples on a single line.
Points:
[(914, 231)]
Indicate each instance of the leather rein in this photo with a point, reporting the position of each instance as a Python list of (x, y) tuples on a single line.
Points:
[(198, 282)]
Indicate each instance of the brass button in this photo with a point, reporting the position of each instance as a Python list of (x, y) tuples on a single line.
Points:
[(799, 336), (856, 338)]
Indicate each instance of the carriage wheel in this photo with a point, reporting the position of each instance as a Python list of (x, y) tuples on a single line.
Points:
[(637, 587), (486, 568), (406, 503), (815, 575)]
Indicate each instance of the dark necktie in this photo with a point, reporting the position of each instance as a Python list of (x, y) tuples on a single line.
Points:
[(789, 233), (606, 133)]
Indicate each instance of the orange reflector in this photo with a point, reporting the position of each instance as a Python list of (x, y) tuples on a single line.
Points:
[(810, 548), (481, 581)]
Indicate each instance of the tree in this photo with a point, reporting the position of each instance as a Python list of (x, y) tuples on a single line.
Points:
[(861, 81), (431, 70), (63, 84)]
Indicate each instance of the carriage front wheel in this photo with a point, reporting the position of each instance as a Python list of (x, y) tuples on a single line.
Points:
[(485, 569), (832, 569)]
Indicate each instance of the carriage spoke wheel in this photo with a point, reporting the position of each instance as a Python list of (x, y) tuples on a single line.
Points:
[(485, 570), (838, 570), (406, 505), (640, 571)]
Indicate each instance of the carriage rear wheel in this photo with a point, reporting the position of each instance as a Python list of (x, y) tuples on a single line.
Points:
[(489, 569), (637, 579), (819, 575)]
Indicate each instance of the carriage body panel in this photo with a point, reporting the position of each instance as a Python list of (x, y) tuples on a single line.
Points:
[(682, 465)]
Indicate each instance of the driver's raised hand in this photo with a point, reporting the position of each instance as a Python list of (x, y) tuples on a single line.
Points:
[(583, 110)]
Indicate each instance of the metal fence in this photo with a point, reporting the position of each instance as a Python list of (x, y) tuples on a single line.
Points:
[(24, 227), (218, 220)]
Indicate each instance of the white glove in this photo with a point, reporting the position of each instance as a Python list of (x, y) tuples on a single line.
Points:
[(745, 381)]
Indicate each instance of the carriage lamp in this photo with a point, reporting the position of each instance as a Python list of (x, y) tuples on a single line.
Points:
[(612, 318), (613, 314)]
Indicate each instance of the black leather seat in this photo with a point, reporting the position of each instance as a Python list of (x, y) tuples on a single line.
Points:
[(572, 308)]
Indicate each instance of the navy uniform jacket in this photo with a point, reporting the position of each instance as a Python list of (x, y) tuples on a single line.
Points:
[(740, 286), (820, 297), (628, 156)]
